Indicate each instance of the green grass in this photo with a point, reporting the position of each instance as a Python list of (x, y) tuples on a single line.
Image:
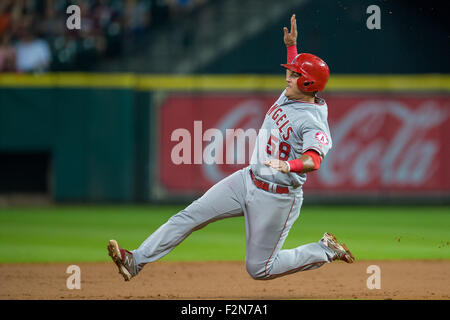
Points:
[(80, 233)]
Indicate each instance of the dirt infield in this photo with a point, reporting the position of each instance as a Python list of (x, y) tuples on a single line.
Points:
[(227, 280)]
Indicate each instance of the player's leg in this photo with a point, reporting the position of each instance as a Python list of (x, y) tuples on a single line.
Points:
[(269, 218), (223, 200)]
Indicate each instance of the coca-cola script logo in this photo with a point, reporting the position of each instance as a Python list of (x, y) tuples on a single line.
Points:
[(384, 143), (204, 138), (250, 110)]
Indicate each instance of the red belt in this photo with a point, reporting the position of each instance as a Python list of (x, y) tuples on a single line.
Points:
[(265, 186)]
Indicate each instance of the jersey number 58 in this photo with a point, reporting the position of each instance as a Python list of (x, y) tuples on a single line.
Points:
[(281, 150)]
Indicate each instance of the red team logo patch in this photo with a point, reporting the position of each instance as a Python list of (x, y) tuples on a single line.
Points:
[(322, 138)]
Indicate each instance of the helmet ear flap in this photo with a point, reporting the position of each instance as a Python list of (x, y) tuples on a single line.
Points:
[(303, 84), (300, 83)]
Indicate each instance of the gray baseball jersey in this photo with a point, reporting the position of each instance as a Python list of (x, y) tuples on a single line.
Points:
[(289, 129)]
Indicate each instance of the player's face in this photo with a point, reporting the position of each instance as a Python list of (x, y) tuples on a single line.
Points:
[(292, 91)]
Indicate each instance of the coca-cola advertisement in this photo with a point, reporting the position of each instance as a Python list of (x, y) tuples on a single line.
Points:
[(394, 143)]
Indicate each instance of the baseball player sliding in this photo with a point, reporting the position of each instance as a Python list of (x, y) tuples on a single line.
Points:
[(293, 140)]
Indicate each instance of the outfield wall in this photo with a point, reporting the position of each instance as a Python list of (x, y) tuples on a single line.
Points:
[(109, 136)]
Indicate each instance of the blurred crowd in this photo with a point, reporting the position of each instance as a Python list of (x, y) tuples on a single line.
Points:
[(34, 36)]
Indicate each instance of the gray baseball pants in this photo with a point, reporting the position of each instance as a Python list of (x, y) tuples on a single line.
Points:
[(268, 219)]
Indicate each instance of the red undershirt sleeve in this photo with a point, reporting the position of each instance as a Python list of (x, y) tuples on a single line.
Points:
[(317, 159), (297, 164), (291, 53)]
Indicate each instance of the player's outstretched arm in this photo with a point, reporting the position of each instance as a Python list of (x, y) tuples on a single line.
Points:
[(290, 40), (290, 37)]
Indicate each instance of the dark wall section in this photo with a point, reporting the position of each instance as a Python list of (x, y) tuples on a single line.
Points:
[(24, 172), (90, 135), (414, 38)]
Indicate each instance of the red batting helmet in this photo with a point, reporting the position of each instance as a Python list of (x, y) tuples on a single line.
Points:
[(313, 70)]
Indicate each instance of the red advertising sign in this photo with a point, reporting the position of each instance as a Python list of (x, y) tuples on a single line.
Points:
[(395, 143)]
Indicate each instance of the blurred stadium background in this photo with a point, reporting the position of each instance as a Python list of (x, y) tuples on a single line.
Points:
[(86, 116)]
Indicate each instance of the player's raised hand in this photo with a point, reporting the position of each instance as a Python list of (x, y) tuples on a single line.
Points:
[(277, 164), (290, 37)]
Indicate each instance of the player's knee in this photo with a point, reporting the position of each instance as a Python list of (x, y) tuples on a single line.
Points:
[(256, 270)]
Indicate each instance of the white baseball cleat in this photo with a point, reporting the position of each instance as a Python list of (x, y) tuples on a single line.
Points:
[(123, 259), (341, 251)]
